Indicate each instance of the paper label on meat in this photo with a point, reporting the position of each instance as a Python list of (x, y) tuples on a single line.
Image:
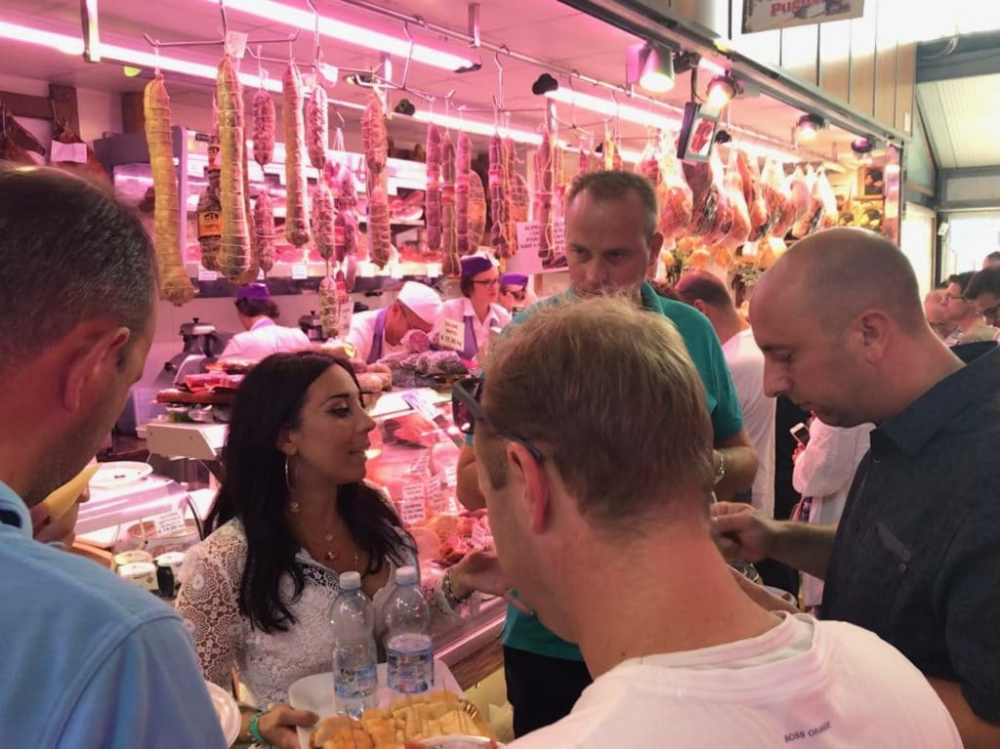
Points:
[(451, 476), (559, 237), (168, 523), (412, 505), (236, 44), (452, 335), (529, 237)]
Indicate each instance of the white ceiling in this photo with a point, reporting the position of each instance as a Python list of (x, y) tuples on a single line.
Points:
[(546, 29), (960, 114)]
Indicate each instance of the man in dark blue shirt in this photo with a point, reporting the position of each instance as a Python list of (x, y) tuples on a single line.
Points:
[(916, 557)]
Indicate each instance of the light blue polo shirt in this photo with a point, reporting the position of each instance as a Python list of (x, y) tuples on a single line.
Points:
[(526, 632), (89, 659)]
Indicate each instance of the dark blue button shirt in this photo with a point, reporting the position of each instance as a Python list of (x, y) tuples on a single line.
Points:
[(917, 554)]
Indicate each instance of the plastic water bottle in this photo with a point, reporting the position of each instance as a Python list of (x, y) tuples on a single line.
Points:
[(355, 679), (408, 647)]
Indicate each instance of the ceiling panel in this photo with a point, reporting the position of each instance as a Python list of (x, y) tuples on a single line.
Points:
[(960, 114)]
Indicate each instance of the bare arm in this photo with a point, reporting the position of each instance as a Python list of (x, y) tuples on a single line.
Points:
[(467, 477), (976, 733), (741, 465), (744, 533)]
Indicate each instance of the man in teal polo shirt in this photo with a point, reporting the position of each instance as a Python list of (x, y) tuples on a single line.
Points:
[(612, 246)]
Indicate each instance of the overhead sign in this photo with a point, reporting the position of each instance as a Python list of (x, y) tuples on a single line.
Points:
[(764, 15)]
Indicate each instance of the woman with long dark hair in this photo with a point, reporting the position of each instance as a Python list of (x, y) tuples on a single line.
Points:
[(292, 513)]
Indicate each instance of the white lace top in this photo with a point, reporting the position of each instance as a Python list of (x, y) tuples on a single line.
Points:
[(268, 663)]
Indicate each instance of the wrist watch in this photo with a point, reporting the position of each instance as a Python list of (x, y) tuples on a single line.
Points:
[(720, 470), (449, 593)]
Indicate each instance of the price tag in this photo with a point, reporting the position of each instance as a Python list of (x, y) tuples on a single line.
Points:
[(422, 465), (413, 507), (559, 236), (529, 237), (437, 501), (207, 275), (482, 538), (451, 476), (300, 272), (168, 523), (236, 44), (452, 335)]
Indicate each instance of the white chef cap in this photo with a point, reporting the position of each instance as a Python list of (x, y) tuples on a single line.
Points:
[(422, 300)]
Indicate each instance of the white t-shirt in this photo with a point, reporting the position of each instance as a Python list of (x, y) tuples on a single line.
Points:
[(362, 336), (746, 363), (264, 338), (804, 684), (461, 308)]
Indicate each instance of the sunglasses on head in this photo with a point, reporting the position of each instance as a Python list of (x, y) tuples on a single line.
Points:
[(466, 410)]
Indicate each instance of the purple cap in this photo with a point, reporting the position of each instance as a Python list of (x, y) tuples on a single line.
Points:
[(513, 279), (473, 265), (253, 291)]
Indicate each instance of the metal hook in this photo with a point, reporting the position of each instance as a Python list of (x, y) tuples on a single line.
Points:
[(225, 19), (409, 54), (317, 49), (498, 98)]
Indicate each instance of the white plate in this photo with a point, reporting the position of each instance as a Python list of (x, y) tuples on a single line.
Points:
[(119, 473), (227, 710), (315, 693)]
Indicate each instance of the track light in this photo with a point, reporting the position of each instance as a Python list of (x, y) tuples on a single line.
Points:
[(721, 90), (543, 84), (863, 145), (406, 107), (722, 137), (808, 127), (651, 66)]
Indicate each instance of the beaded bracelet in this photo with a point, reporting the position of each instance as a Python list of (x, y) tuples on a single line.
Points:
[(449, 594), (255, 729)]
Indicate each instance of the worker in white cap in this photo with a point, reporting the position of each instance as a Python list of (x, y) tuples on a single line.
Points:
[(378, 333)]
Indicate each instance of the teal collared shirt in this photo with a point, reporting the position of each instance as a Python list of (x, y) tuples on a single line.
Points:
[(526, 632), (90, 660)]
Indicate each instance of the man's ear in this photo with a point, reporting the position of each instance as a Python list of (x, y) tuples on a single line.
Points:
[(93, 355), (537, 487), (873, 329), (699, 305)]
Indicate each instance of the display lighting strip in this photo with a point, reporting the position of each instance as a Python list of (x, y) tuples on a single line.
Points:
[(348, 32), (71, 45)]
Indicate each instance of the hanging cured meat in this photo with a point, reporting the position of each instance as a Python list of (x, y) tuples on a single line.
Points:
[(477, 211), (649, 165), (799, 190), (463, 170), (676, 200), (499, 199), (253, 266), (209, 210), (752, 194), (235, 254), (263, 226), (175, 286), (449, 239), (346, 243), (544, 178), (296, 210), (322, 225), (328, 306), (705, 180), (776, 198), (828, 215), (520, 198), (432, 205), (739, 229), (263, 128), (376, 146), (317, 116), (807, 220)]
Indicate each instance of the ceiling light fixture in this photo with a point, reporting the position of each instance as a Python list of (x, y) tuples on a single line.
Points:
[(651, 66), (863, 145), (610, 108), (808, 127), (721, 90), (406, 107), (70, 45), (350, 33)]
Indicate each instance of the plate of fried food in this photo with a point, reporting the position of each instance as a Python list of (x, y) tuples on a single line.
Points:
[(439, 720)]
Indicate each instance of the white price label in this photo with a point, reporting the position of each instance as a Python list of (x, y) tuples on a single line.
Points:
[(207, 275), (437, 501), (168, 523), (529, 237), (451, 476), (452, 335), (559, 236), (413, 507), (300, 271), (422, 465)]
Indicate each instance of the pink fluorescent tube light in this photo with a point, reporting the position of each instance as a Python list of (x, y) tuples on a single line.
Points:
[(347, 32), (477, 127), (610, 109), (70, 45)]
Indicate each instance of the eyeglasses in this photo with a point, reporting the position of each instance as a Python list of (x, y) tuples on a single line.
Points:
[(466, 410), (492, 282), (518, 294)]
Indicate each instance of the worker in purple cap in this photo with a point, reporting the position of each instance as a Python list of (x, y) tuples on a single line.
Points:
[(477, 309), (257, 313), (514, 292)]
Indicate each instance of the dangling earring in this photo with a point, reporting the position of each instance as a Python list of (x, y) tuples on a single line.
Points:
[(293, 506)]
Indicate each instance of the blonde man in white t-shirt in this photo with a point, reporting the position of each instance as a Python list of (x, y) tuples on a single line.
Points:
[(594, 452)]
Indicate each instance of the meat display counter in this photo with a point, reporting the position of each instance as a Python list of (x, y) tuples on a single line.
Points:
[(413, 459)]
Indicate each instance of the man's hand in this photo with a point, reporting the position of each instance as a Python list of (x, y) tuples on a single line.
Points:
[(741, 532), (481, 571)]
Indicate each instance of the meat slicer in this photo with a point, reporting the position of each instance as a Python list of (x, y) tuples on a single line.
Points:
[(202, 344)]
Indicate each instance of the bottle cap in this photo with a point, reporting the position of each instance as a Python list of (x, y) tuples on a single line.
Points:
[(350, 581), (406, 575)]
